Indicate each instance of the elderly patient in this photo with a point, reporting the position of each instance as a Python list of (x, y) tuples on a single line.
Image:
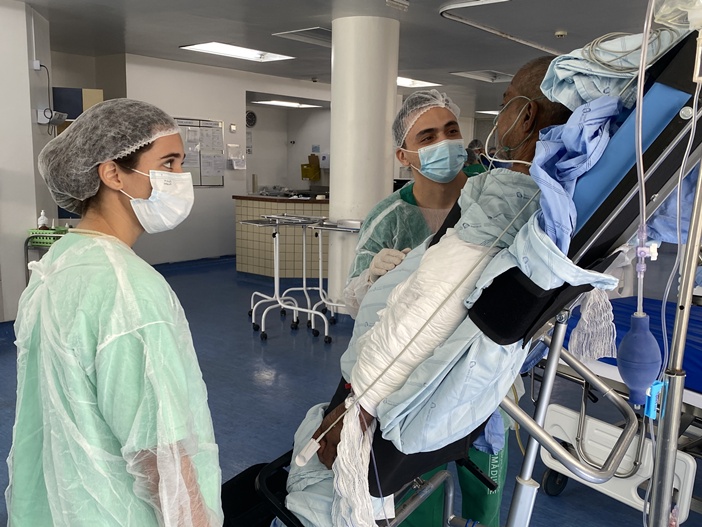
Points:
[(430, 387)]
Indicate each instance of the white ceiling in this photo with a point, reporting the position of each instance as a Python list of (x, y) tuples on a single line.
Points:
[(430, 46)]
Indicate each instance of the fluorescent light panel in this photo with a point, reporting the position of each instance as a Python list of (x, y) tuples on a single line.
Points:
[(488, 112), (411, 83), (319, 36), (287, 104), (470, 3), (402, 5), (227, 50), (491, 76)]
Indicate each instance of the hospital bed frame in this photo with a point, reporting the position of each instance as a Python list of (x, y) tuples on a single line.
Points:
[(603, 225), (599, 235)]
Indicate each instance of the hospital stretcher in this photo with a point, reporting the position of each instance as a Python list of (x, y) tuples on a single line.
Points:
[(591, 437), (606, 200)]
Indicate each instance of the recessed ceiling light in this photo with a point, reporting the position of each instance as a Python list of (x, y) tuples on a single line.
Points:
[(287, 104), (471, 3), (227, 50), (488, 112), (485, 75), (402, 5), (319, 36), (411, 83)]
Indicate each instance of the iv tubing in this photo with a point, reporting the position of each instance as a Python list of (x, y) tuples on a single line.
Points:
[(641, 233)]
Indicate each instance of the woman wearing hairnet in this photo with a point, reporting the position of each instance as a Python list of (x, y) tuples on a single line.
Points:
[(427, 139), (112, 424)]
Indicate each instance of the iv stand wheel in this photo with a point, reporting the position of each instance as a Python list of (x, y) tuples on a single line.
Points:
[(256, 327), (264, 336), (332, 320), (327, 339), (282, 313), (553, 482), (295, 324), (309, 323), (250, 312), (324, 310), (315, 333)]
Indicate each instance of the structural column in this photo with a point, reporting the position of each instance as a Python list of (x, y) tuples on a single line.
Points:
[(24, 38), (363, 95)]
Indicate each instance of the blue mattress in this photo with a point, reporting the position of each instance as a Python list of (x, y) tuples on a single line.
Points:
[(692, 361)]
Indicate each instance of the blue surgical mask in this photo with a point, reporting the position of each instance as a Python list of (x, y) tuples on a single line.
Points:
[(442, 161)]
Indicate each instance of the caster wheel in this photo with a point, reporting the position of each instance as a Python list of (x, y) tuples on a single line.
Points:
[(264, 336), (327, 339), (309, 323), (256, 327), (282, 313), (332, 320), (294, 325), (315, 332), (324, 311), (553, 482), (250, 312)]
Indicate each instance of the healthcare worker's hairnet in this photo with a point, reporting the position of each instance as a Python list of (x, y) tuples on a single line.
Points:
[(476, 144), (413, 108), (109, 130)]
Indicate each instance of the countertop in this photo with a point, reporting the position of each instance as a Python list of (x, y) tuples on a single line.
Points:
[(278, 199)]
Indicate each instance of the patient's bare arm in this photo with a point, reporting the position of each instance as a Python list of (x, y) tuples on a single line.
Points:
[(329, 443)]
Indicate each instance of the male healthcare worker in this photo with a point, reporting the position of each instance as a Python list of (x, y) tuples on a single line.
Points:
[(428, 140)]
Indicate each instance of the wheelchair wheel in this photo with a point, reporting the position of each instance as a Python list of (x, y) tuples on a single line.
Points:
[(553, 482)]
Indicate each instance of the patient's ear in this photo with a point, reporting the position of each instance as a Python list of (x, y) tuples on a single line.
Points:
[(530, 117)]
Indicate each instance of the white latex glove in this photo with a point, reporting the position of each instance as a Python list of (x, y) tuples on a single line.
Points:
[(386, 260)]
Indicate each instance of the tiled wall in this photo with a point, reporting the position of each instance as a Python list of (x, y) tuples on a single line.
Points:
[(254, 245)]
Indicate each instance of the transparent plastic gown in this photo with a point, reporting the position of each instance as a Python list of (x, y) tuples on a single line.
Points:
[(112, 424)]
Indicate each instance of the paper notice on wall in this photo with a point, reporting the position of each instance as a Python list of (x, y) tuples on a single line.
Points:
[(249, 142)]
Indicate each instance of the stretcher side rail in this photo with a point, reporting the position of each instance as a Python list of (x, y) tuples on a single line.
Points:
[(583, 470)]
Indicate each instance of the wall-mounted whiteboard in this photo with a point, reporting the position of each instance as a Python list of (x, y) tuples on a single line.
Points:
[(203, 141)]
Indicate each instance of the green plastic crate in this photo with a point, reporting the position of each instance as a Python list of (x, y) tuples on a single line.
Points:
[(43, 237)]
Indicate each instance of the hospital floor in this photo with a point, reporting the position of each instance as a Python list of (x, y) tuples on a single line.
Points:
[(260, 390)]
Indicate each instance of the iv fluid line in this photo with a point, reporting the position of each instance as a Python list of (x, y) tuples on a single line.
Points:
[(641, 233)]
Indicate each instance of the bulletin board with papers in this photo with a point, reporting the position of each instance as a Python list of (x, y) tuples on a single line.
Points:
[(203, 141)]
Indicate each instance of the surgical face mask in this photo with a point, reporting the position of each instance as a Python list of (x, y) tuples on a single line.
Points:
[(442, 161), (170, 201)]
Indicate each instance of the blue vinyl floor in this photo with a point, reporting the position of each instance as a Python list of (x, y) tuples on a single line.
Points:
[(260, 390)]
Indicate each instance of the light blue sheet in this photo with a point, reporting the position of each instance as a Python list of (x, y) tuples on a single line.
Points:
[(564, 153), (574, 80)]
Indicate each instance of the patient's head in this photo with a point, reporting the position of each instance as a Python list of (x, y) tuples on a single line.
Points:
[(525, 111)]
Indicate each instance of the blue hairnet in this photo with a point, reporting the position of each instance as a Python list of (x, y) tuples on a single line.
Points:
[(412, 109), (109, 130)]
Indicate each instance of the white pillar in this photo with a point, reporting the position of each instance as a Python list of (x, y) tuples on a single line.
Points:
[(24, 36), (364, 77)]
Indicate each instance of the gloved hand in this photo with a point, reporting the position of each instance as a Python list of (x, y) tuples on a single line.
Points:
[(386, 260)]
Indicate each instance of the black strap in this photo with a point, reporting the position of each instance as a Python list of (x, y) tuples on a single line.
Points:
[(451, 219)]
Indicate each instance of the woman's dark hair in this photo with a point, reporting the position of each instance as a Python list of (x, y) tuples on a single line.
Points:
[(128, 162)]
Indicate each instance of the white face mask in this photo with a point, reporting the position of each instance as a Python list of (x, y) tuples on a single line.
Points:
[(170, 201)]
